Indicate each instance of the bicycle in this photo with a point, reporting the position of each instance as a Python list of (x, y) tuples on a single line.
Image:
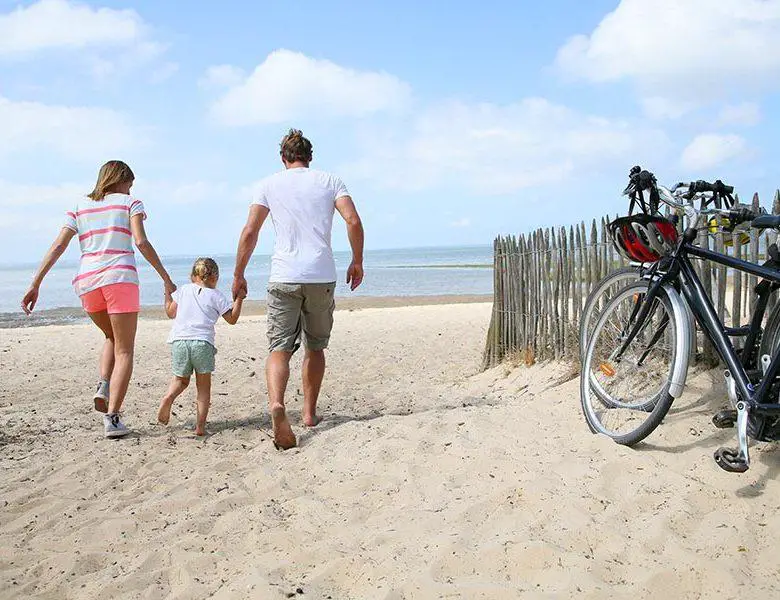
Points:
[(644, 332), (641, 195), (641, 182)]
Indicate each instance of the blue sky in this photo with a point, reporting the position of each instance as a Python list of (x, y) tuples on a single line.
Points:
[(450, 122)]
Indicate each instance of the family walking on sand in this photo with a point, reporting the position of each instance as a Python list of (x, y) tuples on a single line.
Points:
[(300, 302)]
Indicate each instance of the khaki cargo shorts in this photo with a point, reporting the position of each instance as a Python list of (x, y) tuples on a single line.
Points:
[(300, 308)]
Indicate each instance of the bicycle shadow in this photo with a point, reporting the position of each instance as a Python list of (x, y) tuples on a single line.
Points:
[(769, 457), (708, 393), (694, 410), (713, 440)]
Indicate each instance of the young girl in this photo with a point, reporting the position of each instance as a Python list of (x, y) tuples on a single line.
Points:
[(107, 222), (196, 308)]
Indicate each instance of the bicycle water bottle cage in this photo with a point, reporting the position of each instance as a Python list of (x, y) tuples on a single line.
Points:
[(642, 237)]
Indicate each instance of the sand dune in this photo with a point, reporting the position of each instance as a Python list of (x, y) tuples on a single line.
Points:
[(426, 480)]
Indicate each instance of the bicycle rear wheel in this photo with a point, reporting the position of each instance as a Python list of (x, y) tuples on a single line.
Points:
[(770, 338), (626, 395), (598, 298)]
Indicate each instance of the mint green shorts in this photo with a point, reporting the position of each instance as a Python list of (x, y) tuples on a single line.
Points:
[(192, 355)]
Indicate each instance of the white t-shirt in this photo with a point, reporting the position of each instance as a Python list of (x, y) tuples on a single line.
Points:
[(199, 308), (302, 202)]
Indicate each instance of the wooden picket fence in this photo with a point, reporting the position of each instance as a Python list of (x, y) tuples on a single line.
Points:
[(542, 279)]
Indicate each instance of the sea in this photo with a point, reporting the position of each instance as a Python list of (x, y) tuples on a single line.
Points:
[(431, 271)]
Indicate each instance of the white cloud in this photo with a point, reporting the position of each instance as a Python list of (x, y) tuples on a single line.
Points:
[(81, 133), (709, 150), (459, 223), (191, 193), (34, 213), (498, 149), (289, 85), (660, 108), (27, 195), (106, 42), (747, 114), (164, 72), (681, 48), (222, 76), (62, 24)]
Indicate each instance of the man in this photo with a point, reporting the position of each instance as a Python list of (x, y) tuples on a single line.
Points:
[(301, 202)]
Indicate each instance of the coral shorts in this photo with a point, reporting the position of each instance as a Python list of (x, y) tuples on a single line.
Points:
[(115, 299)]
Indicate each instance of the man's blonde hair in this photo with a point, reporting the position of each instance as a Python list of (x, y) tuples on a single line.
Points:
[(111, 174)]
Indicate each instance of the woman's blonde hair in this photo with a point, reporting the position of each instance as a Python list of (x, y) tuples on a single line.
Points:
[(111, 174), (205, 268)]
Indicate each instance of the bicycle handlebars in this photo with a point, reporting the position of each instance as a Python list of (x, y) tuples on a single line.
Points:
[(682, 195), (736, 215), (703, 186)]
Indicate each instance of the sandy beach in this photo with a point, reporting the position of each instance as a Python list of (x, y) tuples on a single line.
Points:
[(427, 479)]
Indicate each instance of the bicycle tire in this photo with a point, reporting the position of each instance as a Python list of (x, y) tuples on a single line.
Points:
[(657, 406), (602, 293), (770, 338), (599, 294)]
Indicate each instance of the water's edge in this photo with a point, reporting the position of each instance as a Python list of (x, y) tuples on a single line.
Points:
[(71, 315)]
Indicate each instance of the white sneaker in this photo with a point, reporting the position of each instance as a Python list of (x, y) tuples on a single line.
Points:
[(114, 427), (101, 396)]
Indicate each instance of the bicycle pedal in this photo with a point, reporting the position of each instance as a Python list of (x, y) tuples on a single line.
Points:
[(730, 460), (725, 418)]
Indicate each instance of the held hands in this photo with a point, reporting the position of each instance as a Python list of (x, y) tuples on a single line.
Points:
[(29, 300), (354, 275), (170, 287), (240, 289)]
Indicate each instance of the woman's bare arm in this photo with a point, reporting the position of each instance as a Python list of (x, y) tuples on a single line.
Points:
[(49, 260), (148, 252)]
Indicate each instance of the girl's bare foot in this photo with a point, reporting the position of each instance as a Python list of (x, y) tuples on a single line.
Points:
[(201, 431), (284, 437)]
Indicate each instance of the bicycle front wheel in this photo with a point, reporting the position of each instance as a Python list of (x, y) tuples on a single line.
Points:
[(624, 386)]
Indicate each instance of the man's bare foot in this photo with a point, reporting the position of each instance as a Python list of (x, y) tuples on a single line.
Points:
[(200, 431), (284, 437), (164, 414), (312, 420)]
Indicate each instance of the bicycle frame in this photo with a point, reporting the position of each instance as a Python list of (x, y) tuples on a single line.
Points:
[(706, 316), (678, 270)]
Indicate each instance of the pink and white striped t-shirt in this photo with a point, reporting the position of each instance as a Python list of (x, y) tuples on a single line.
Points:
[(106, 241)]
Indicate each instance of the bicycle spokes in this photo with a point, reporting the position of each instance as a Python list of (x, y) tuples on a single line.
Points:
[(628, 363)]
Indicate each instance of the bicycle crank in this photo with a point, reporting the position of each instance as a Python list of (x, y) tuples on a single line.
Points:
[(736, 460)]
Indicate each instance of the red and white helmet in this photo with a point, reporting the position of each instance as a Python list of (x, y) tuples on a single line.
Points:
[(643, 238)]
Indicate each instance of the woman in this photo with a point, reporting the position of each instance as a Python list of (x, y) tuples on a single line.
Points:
[(107, 221)]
